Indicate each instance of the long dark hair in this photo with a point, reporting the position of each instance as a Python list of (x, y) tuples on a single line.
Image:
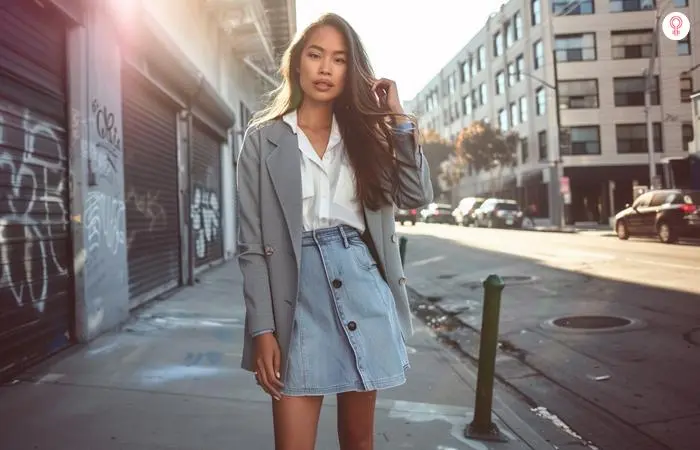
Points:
[(366, 132)]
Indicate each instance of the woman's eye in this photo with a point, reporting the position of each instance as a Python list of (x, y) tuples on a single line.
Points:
[(314, 55), (340, 60)]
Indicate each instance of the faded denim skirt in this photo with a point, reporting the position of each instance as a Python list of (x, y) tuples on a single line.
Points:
[(346, 334)]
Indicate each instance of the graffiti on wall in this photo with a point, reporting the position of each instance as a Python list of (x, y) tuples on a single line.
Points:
[(104, 215), (32, 206), (206, 220), (148, 205), (105, 153)]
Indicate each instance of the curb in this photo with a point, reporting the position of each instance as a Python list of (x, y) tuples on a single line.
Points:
[(505, 350)]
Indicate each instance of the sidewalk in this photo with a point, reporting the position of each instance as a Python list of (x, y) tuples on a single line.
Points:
[(170, 379), (545, 225)]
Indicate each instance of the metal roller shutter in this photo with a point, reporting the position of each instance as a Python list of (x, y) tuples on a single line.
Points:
[(206, 197), (151, 188), (36, 284)]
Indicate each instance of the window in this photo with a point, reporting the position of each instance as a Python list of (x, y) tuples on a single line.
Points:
[(500, 82), (643, 200), (578, 94), (466, 105), (686, 88), (503, 119), (631, 5), (466, 70), (520, 67), (483, 94), (514, 116), (680, 3), (510, 34), (540, 102), (585, 140), (523, 109), (536, 12), (629, 91), (575, 47), (497, 44), (569, 8), (475, 99), (512, 72), (542, 145), (524, 150), (632, 138), (688, 135), (538, 54), (631, 44), (481, 58), (683, 46), (518, 25), (451, 84)]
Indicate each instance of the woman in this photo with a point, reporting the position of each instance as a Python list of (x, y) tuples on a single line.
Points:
[(319, 173)]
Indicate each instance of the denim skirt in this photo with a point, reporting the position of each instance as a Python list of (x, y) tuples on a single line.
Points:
[(346, 334)]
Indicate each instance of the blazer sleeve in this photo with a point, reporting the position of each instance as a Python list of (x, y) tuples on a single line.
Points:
[(250, 250), (415, 188)]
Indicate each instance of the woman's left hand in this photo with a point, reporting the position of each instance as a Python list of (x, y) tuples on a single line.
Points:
[(387, 95)]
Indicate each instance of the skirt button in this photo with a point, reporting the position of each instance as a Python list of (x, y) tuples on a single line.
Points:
[(337, 283), (352, 326)]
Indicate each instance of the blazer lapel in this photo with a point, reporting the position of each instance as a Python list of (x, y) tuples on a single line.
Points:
[(284, 167)]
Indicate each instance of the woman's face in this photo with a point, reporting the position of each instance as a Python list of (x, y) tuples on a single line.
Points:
[(323, 64)]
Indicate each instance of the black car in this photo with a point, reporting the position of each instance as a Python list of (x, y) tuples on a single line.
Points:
[(499, 213), (464, 212), (406, 215), (437, 213), (669, 214)]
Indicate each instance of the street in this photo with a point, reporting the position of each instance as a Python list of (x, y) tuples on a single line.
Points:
[(630, 387)]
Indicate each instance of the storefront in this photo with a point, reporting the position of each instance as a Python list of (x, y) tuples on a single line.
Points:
[(36, 262)]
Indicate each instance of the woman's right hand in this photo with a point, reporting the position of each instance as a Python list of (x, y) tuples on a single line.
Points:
[(267, 363)]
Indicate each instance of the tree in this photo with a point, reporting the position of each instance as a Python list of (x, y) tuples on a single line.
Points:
[(486, 147), (436, 150)]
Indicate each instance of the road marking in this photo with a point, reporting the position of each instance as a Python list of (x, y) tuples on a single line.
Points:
[(423, 262), (657, 263)]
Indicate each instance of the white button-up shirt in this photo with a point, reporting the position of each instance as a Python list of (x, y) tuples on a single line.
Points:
[(328, 184)]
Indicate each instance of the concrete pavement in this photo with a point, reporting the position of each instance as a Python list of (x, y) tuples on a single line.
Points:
[(169, 379), (621, 388)]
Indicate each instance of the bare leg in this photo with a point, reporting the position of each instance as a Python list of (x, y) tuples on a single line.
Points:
[(296, 422), (356, 420)]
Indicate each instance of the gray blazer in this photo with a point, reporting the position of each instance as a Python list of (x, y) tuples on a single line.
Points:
[(270, 229)]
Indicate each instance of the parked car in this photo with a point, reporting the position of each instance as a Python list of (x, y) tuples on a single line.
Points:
[(669, 214), (406, 215), (464, 212), (499, 213), (437, 213)]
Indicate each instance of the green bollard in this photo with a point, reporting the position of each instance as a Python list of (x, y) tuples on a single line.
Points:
[(482, 427), (402, 249)]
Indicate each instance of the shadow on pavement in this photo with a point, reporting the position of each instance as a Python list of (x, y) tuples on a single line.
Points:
[(628, 387)]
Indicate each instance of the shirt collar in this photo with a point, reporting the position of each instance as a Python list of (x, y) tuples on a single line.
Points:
[(291, 119)]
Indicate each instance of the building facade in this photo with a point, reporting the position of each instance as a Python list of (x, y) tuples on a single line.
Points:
[(505, 74), (119, 126)]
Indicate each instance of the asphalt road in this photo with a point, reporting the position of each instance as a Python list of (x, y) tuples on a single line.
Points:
[(639, 383)]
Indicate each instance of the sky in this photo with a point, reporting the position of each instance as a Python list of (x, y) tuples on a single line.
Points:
[(407, 41)]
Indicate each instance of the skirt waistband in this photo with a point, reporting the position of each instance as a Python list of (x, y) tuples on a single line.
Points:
[(320, 236)]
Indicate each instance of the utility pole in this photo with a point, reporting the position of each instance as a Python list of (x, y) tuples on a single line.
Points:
[(649, 73)]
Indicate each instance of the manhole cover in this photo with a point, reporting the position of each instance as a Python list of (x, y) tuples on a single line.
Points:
[(592, 324), (693, 336)]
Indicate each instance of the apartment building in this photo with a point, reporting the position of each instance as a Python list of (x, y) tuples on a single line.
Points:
[(505, 74)]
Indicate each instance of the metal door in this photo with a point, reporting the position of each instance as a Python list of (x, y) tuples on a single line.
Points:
[(151, 188), (206, 196), (36, 283)]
